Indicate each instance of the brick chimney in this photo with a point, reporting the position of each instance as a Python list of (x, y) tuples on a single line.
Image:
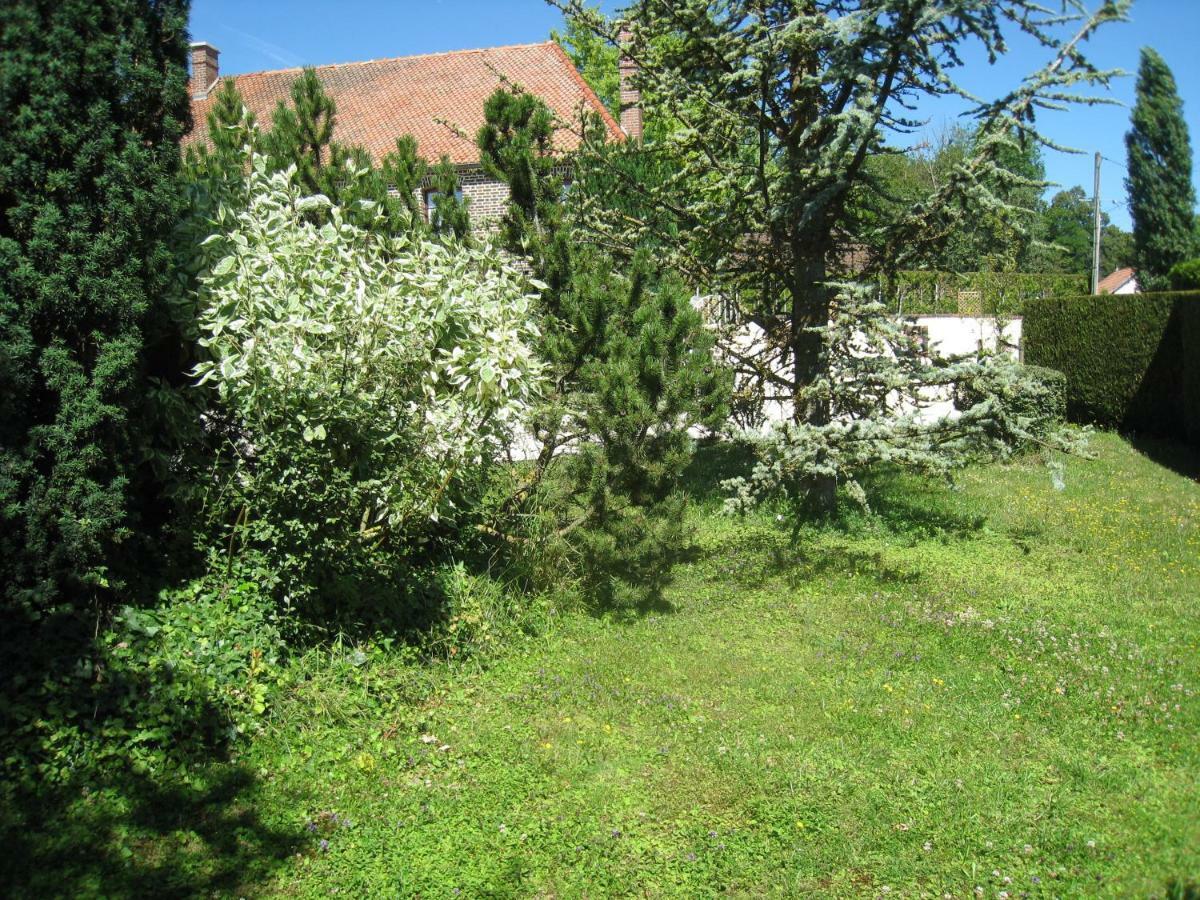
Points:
[(204, 69), (631, 97)]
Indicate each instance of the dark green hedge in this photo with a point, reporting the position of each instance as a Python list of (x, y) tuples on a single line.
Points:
[(1189, 329), (1124, 357)]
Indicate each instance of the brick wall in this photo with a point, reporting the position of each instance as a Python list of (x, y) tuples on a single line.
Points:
[(488, 197)]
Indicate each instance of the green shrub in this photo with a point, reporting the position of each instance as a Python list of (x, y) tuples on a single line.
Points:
[(1124, 357), (206, 659), (364, 381), (165, 683), (1185, 276), (1189, 332)]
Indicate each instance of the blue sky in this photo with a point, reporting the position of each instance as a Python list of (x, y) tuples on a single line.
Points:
[(269, 34)]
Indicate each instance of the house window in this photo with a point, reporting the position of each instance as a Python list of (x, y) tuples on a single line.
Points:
[(431, 201)]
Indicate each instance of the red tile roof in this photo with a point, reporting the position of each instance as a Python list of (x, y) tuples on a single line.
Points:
[(383, 99), (1111, 282)]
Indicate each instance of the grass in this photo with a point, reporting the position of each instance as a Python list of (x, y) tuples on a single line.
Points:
[(985, 690)]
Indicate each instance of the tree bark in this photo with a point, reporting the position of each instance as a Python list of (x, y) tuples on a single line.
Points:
[(810, 309)]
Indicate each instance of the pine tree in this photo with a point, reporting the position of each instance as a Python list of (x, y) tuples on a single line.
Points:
[(216, 174), (516, 146), (1162, 200), (301, 133), (403, 170), (227, 120), (631, 365), (93, 99), (451, 214)]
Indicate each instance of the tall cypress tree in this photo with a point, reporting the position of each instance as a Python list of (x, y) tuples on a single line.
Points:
[(1161, 197), (93, 99)]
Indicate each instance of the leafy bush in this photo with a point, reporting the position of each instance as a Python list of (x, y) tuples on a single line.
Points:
[(1124, 357), (208, 656), (167, 681), (362, 382), (1185, 276)]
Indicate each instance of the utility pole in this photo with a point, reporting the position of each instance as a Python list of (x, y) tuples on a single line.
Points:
[(1096, 232)]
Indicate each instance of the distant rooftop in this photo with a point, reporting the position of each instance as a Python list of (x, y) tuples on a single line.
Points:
[(1111, 283), (431, 97)]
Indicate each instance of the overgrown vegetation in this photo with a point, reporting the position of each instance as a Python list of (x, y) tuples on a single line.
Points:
[(368, 443), (994, 687)]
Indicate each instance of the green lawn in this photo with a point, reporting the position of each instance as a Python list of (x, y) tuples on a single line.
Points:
[(990, 689)]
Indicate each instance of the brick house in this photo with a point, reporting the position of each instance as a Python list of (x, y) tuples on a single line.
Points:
[(437, 98)]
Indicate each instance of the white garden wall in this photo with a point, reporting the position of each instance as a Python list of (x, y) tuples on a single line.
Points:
[(948, 335)]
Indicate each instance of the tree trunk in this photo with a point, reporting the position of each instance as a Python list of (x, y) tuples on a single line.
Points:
[(810, 309)]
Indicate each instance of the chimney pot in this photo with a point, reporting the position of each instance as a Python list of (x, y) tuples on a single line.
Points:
[(631, 97), (205, 70)]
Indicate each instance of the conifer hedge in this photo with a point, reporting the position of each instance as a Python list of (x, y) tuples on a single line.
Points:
[(93, 102), (1132, 361)]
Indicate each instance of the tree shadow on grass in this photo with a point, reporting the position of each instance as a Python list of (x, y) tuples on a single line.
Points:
[(1182, 890), (136, 836), (903, 504), (106, 830), (614, 597), (758, 554), (1174, 455), (919, 511)]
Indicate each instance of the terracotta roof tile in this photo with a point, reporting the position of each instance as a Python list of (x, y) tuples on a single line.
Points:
[(383, 99)]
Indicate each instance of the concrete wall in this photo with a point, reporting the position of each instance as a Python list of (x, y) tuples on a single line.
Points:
[(947, 335)]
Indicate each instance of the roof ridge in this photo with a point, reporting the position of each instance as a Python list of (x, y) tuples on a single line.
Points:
[(383, 59)]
